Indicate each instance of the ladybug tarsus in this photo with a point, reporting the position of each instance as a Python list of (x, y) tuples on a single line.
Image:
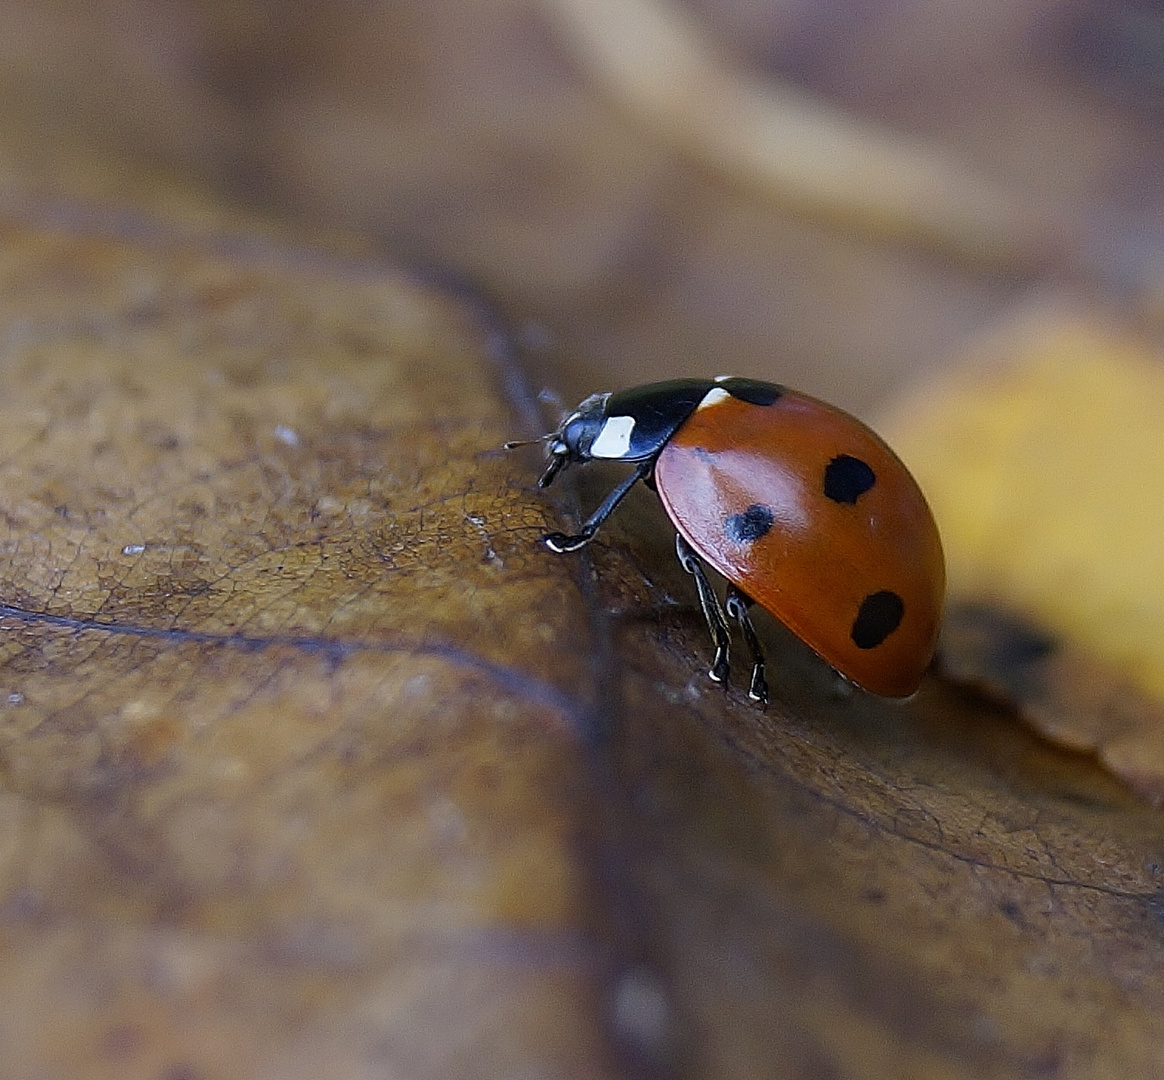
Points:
[(560, 543)]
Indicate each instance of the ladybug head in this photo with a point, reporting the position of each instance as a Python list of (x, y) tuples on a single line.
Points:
[(574, 437)]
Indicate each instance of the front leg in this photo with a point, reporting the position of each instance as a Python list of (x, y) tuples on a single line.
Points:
[(560, 542)]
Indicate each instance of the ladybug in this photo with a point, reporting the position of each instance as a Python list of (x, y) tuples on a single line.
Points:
[(798, 505)]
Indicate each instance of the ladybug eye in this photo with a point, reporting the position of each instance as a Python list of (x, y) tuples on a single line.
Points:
[(573, 430)]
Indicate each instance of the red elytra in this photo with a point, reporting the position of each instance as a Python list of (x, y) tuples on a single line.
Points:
[(821, 558), (801, 507)]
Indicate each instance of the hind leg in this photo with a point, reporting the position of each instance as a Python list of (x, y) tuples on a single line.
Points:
[(737, 607)]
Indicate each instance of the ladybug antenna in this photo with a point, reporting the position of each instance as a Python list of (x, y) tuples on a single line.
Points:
[(514, 444)]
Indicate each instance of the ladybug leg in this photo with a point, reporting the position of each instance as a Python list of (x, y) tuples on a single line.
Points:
[(737, 607), (560, 542), (712, 612), (556, 464)]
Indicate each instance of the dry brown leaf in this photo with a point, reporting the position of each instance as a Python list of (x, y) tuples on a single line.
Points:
[(316, 763), (276, 802)]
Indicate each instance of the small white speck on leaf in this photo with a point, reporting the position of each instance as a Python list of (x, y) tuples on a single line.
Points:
[(641, 1013), (417, 686), (478, 522)]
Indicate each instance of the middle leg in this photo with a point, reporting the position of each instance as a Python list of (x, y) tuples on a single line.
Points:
[(712, 612)]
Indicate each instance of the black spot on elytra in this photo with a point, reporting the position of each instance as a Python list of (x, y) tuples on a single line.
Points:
[(847, 478), (879, 616), (748, 527), (752, 391)]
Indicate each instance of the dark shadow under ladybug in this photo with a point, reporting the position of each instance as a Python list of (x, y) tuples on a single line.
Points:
[(798, 505)]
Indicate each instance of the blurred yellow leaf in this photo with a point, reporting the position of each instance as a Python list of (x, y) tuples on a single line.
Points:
[(1043, 459)]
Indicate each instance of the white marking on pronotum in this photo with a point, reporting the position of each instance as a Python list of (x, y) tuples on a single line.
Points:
[(722, 378), (713, 397), (613, 441)]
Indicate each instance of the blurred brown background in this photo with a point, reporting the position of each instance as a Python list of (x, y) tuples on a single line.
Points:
[(481, 140), (544, 828)]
